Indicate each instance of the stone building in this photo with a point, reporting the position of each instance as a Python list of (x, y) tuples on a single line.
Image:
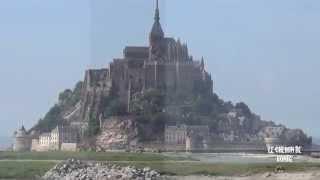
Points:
[(272, 135), (60, 138), (44, 142), (273, 131), (197, 138), (34, 135), (97, 85), (22, 140), (164, 64), (62, 135), (189, 137), (176, 135)]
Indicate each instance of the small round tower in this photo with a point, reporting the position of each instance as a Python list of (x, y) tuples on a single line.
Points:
[(22, 140)]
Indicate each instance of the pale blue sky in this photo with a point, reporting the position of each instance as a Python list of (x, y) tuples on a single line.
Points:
[(263, 52)]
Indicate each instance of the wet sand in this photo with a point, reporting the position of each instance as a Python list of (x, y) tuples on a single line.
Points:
[(310, 175)]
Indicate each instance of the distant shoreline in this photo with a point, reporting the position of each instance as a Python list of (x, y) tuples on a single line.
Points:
[(5, 142)]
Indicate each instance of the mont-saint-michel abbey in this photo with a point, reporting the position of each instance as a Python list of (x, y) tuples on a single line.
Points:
[(156, 97)]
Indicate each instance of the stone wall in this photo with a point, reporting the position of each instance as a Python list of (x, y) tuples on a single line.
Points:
[(22, 144), (97, 86), (188, 137), (43, 148), (69, 147), (35, 145)]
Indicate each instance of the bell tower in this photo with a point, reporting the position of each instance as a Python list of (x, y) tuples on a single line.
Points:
[(156, 37)]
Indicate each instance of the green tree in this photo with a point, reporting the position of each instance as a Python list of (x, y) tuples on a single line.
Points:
[(51, 119), (114, 107), (244, 108), (203, 106), (93, 126), (148, 103)]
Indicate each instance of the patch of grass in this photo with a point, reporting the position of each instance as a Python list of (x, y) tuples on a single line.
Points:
[(30, 169), (197, 168), (30, 164), (104, 156), (23, 170)]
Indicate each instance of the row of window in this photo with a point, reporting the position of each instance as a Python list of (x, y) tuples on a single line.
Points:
[(178, 139)]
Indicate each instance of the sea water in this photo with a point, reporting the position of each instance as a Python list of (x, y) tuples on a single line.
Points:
[(5, 142)]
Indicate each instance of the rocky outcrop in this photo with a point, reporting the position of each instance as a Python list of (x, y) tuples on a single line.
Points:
[(295, 136), (77, 170), (117, 133), (239, 124), (96, 87)]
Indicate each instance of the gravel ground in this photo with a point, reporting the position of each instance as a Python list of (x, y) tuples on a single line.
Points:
[(77, 170)]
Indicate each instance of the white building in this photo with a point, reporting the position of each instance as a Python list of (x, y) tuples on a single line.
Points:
[(60, 138), (22, 140), (190, 137)]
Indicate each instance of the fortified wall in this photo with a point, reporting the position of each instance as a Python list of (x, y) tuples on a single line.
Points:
[(64, 138)]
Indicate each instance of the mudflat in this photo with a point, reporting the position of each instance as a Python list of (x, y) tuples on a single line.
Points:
[(309, 175)]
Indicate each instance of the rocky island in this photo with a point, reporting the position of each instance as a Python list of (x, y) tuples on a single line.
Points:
[(154, 97)]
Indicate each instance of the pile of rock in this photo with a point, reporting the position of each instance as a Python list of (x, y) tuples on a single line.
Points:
[(117, 133), (77, 170)]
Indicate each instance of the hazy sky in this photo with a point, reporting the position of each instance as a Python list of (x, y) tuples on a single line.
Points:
[(263, 52)]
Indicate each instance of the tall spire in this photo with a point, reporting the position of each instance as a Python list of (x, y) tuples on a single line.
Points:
[(156, 36), (156, 31), (157, 13), (202, 64)]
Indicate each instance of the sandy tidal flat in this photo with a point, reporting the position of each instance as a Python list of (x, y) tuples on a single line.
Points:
[(311, 175)]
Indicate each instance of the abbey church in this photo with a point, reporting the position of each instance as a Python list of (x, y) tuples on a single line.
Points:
[(165, 64)]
